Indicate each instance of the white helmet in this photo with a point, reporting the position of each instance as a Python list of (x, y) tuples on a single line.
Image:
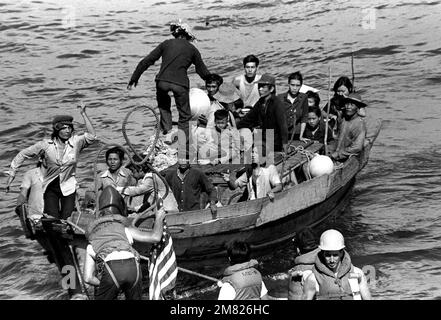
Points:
[(331, 240)]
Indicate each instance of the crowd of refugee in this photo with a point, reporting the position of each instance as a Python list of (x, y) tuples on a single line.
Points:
[(237, 108)]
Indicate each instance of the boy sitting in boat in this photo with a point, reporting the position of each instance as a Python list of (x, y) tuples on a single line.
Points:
[(260, 182), (219, 144), (315, 127)]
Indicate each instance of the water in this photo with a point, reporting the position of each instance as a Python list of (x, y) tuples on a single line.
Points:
[(54, 54)]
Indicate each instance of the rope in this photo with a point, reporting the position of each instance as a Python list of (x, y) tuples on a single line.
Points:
[(149, 153), (308, 154)]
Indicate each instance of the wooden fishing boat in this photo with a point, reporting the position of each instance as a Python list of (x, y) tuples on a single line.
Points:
[(198, 235)]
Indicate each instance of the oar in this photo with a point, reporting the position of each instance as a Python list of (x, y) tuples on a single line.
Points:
[(327, 113)]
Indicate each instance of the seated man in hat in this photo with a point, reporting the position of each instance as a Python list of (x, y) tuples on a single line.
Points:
[(268, 113), (352, 132)]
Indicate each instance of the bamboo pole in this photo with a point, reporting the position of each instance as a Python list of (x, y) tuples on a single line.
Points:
[(327, 113)]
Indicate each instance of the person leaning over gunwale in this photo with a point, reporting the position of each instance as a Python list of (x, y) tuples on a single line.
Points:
[(61, 154)]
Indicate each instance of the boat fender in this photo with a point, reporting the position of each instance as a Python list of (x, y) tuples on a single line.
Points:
[(321, 165), (199, 103)]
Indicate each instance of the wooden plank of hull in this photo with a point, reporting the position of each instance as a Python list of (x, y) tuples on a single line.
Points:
[(265, 236), (294, 199)]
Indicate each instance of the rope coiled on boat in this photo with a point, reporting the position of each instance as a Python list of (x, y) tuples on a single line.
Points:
[(146, 213)]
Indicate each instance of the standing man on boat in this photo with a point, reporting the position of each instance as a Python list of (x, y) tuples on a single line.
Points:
[(268, 113), (333, 276), (61, 153), (247, 82), (177, 56), (110, 250), (296, 104), (352, 132)]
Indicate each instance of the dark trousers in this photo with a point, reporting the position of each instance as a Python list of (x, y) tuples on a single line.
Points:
[(55, 204), (126, 274), (182, 99)]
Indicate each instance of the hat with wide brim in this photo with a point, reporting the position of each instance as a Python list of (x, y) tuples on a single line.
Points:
[(184, 27), (267, 79), (227, 93), (355, 98)]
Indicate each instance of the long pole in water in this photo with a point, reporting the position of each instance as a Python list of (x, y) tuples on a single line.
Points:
[(194, 273), (327, 112)]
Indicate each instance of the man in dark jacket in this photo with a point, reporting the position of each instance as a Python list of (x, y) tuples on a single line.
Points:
[(177, 56), (187, 184), (296, 104), (269, 114)]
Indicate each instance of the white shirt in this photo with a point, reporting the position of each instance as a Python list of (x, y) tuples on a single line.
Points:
[(227, 291), (60, 163), (267, 178)]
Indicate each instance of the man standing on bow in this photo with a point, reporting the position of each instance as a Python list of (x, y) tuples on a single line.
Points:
[(177, 56)]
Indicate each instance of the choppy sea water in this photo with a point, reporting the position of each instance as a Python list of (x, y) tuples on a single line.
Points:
[(56, 53)]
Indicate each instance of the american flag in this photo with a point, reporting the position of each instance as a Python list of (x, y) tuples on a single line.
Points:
[(163, 269)]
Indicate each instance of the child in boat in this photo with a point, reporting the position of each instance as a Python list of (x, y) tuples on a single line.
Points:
[(315, 127), (220, 144), (110, 250)]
